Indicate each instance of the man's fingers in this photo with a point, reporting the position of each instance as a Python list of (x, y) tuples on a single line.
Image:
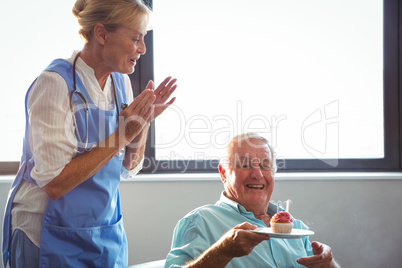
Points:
[(311, 260), (316, 244), (245, 226), (263, 237), (322, 256)]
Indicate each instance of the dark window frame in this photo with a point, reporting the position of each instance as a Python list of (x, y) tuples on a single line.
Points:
[(392, 162)]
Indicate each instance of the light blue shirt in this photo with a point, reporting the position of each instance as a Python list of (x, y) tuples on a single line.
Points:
[(202, 227)]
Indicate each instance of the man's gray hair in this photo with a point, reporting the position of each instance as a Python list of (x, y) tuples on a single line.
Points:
[(246, 137)]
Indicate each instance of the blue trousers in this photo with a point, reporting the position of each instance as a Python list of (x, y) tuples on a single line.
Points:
[(23, 253)]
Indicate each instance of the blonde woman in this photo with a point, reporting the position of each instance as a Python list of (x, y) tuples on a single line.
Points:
[(83, 133)]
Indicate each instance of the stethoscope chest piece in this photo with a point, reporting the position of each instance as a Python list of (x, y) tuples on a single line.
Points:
[(123, 106)]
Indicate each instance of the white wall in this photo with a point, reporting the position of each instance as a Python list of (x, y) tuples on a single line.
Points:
[(358, 215)]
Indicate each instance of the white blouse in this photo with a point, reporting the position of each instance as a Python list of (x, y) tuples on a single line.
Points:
[(52, 140)]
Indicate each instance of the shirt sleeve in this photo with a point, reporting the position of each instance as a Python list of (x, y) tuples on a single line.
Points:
[(130, 174), (189, 242), (51, 133)]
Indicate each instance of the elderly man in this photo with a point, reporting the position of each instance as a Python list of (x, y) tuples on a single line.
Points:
[(219, 235)]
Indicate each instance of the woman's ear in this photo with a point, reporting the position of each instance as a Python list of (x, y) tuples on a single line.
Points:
[(100, 33), (222, 172)]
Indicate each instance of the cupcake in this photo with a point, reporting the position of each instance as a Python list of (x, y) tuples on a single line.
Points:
[(282, 223)]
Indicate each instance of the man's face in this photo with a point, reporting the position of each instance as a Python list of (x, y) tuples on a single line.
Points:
[(249, 179)]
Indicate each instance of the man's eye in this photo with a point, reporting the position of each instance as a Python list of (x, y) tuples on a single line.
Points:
[(266, 166), (245, 165)]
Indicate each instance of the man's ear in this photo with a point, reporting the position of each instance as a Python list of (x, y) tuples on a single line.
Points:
[(222, 172), (100, 33)]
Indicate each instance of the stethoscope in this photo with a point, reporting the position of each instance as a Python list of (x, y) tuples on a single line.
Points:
[(123, 106)]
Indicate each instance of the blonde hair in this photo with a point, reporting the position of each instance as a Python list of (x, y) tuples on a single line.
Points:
[(133, 14), (247, 137)]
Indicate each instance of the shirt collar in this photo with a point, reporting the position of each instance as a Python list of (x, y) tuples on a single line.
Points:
[(230, 202), (84, 69), (236, 206), (81, 64)]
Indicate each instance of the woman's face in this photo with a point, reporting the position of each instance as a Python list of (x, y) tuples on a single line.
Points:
[(123, 49)]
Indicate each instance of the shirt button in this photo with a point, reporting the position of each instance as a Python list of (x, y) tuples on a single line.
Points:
[(279, 262)]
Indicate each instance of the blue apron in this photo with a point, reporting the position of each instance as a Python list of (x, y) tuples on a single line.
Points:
[(83, 228)]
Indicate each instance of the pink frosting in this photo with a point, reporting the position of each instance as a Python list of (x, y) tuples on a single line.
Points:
[(282, 216)]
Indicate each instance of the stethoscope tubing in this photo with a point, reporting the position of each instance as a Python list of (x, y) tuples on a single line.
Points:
[(84, 146)]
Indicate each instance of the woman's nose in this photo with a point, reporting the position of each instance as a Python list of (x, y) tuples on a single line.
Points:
[(141, 49)]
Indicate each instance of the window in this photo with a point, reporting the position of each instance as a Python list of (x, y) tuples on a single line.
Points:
[(319, 79), (35, 35)]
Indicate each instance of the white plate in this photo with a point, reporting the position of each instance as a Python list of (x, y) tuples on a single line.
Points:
[(296, 233)]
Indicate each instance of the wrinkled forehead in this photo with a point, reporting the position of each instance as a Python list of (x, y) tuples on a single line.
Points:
[(254, 149)]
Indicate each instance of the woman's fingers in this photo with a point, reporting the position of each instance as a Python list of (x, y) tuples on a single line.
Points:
[(148, 105), (137, 115), (150, 85), (141, 104), (165, 89), (166, 93)]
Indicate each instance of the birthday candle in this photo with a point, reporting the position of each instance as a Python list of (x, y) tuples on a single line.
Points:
[(287, 205)]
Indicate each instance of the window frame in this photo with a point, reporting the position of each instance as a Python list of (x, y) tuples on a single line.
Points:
[(391, 162), (392, 114)]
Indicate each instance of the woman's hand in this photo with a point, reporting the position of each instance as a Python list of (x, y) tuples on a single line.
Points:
[(163, 93), (137, 115)]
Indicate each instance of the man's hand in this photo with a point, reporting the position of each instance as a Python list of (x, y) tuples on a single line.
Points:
[(239, 241), (322, 257)]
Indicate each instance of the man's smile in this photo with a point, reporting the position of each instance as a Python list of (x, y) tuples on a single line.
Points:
[(255, 186)]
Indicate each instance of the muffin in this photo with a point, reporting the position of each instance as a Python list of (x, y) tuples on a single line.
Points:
[(282, 223)]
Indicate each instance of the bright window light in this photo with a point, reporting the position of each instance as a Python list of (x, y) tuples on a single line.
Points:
[(308, 75), (35, 33)]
